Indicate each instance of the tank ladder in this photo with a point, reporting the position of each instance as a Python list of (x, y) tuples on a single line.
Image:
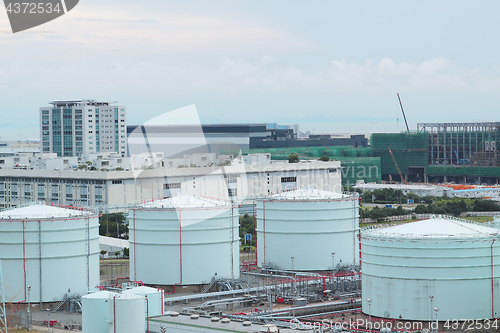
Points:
[(3, 314)]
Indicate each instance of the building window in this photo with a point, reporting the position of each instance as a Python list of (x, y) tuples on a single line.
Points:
[(231, 178), (171, 186), (288, 179), (232, 192), (114, 182)]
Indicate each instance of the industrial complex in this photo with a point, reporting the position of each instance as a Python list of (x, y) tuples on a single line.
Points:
[(244, 227)]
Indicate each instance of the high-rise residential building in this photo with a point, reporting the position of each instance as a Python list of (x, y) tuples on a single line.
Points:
[(74, 127)]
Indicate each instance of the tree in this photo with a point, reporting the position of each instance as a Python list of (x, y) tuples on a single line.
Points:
[(293, 158), (108, 224), (324, 158), (246, 227), (103, 252), (480, 205), (126, 251)]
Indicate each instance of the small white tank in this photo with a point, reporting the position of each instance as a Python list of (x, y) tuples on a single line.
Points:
[(107, 312), (154, 299)]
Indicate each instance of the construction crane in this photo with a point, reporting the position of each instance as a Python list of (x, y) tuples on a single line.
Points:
[(404, 116), (397, 167)]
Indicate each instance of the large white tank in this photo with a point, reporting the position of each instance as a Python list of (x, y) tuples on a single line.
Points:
[(454, 262), (309, 225), (52, 249), (184, 240), (155, 299), (107, 312)]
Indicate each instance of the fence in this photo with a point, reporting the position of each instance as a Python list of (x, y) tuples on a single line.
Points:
[(399, 218), (110, 271)]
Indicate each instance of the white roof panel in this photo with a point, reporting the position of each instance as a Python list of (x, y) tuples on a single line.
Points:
[(115, 242), (185, 201), (308, 194), (436, 227), (42, 211)]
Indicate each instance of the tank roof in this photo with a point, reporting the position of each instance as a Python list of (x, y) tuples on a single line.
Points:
[(308, 194), (100, 294), (436, 227), (104, 294), (42, 211), (141, 290), (185, 201)]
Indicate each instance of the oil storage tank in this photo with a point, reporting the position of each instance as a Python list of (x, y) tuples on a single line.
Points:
[(308, 225), (154, 297), (442, 262), (108, 312), (184, 240), (52, 249)]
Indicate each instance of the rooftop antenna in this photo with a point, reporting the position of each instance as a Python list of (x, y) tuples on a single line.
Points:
[(404, 116)]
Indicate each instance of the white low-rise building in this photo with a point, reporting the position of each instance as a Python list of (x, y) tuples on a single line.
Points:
[(423, 190), (260, 158), (198, 160), (112, 245), (121, 188)]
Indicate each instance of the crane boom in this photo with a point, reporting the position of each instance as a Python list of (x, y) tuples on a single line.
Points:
[(404, 116), (396, 164)]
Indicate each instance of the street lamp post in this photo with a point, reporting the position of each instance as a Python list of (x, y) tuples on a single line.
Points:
[(48, 321), (431, 297), (333, 270), (437, 322), (29, 309), (293, 291), (333, 264), (370, 313)]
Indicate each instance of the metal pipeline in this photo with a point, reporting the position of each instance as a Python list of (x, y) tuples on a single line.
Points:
[(180, 254), (255, 238), (114, 314), (162, 296), (492, 279), (24, 265), (135, 253), (264, 229), (147, 312)]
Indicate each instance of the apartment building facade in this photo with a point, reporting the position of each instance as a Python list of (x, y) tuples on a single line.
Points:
[(76, 127)]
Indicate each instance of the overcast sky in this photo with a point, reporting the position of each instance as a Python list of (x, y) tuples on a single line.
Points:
[(331, 66)]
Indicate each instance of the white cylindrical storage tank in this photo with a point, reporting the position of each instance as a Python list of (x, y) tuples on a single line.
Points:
[(97, 312), (454, 262), (154, 297), (309, 225), (52, 249), (184, 240), (107, 312)]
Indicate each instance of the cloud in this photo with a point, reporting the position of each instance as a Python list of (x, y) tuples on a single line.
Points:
[(387, 66), (141, 30), (431, 67)]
